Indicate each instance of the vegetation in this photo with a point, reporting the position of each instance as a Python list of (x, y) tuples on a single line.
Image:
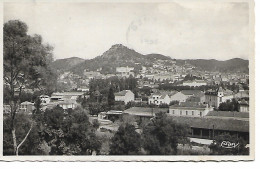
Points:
[(126, 141), (229, 105), (161, 136), (26, 64)]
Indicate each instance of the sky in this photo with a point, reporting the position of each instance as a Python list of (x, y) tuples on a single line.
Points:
[(183, 30)]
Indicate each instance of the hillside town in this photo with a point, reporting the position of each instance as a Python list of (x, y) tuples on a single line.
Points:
[(95, 83), (211, 103)]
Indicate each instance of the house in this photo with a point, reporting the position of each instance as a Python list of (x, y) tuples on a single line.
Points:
[(45, 99), (215, 97), (26, 107), (194, 95), (179, 96), (125, 71), (159, 98), (194, 83), (68, 104), (125, 96), (192, 109), (66, 95), (243, 106)]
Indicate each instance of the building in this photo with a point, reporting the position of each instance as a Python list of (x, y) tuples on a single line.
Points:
[(125, 71), (191, 109), (208, 127), (45, 99), (125, 96), (243, 106), (158, 99), (194, 83), (215, 97), (26, 107), (141, 113), (179, 97), (66, 95)]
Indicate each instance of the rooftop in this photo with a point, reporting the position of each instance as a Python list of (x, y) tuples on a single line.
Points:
[(193, 105), (234, 114), (122, 93), (206, 122), (145, 111)]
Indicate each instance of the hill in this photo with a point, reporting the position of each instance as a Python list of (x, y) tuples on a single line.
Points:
[(62, 65), (232, 65), (119, 55)]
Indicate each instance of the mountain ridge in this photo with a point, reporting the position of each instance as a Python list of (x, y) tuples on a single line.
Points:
[(119, 55)]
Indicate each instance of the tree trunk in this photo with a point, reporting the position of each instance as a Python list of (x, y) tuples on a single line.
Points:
[(14, 140)]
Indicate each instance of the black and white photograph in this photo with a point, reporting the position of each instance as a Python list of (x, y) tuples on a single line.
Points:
[(128, 81)]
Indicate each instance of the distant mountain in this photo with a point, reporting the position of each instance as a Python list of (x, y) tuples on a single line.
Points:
[(66, 64), (119, 55), (232, 65)]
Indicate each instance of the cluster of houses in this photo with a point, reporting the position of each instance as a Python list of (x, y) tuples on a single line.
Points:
[(192, 107), (66, 100)]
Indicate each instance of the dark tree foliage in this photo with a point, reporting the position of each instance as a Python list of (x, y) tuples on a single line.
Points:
[(26, 66), (162, 135), (126, 141), (22, 125), (229, 105), (222, 145), (111, 97), (84, 102), (69, 134), (191, 77)]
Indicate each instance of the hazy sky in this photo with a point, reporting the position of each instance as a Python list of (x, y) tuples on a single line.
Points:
[(180, 30)]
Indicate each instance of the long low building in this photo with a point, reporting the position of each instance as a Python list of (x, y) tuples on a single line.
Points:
[(210, 126), (144, 112)]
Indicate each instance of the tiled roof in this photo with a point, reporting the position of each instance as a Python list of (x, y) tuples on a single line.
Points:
[(228, 114), (193, 105), (145, 111), (122, 93), (191, 92), (218, 123)]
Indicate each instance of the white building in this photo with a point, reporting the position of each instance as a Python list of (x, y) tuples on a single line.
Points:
[(179, 96), (125, 71), (215, 97), (190, 109), (45, 99), (125, 96), (158, 98)]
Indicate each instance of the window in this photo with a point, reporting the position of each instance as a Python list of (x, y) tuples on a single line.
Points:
[(186, 113), (220, 99), (192, 113), (172, 111), (161, 102), (200, 114), (180, 112)]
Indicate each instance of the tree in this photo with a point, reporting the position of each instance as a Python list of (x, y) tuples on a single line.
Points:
[(227, 144), (232, 105), (22, 125), (162, 135), (126, 141), (84, 102), (25, 60), (111, 97), (69, 134)]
